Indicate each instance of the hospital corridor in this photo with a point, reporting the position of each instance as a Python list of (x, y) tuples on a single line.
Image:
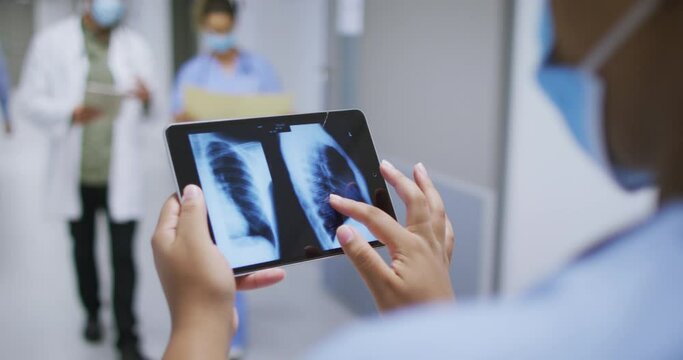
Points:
[(551, 185)]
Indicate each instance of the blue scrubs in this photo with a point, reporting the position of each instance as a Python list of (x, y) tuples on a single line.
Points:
[(621, 300), (5, 85), (252, 75)]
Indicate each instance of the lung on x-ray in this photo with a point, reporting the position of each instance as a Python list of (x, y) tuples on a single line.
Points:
[(318, 167), (238, 185), (238, 190)]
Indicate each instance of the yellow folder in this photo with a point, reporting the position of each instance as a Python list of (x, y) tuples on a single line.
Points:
[(204, 105)]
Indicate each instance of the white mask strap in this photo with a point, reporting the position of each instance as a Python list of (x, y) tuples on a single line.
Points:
[(618, 34)]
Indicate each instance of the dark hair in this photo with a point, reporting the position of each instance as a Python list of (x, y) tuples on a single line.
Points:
[(228, 7)]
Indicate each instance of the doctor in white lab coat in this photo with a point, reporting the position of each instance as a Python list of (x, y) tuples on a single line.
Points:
[(60, 66), (53, 85)]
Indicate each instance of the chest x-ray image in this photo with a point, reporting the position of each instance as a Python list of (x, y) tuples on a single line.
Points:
[(238, 191), (267, 189), (318, 167)]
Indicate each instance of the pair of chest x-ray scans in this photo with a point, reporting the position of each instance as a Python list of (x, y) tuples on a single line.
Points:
[(267, 184)]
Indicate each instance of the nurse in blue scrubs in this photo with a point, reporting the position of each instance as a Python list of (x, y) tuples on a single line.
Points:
[(223, 68)]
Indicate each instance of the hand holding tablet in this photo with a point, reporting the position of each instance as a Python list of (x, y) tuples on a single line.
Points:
[(278, 182)]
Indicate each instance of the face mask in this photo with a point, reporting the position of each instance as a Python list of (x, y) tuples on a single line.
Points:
[(107, 13), (218, 43), (578, 92)]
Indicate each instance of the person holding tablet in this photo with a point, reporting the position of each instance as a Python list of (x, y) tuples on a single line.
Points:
[(222, 67), (613, 66)]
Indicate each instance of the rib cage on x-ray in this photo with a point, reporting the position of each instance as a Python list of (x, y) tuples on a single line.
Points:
[(319, 167), (238, 187), (331, 175), (234, 179)]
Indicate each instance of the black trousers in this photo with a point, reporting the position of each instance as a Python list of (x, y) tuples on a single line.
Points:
[(83, 233)]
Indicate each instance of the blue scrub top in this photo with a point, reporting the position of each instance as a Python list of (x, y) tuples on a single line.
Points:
[(5, 85), (252, 75), (623, 300)]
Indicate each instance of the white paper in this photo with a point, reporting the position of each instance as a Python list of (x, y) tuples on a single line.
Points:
[(103, 89), (103, 97)]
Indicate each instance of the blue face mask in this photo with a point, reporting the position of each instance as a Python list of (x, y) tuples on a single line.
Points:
[(219, 43), (578, 91), (107, 13)]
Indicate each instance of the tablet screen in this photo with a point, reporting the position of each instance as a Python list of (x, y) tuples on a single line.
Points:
[(267, 183)]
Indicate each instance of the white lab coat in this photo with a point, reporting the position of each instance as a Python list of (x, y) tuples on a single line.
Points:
[(53, 84)]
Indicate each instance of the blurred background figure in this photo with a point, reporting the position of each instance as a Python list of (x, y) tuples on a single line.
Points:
[(86, 83), (222, 67), (5, 85)]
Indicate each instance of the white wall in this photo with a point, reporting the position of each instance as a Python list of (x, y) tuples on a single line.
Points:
[(48, 12), (429, 82), (557, 201), (292, 35)]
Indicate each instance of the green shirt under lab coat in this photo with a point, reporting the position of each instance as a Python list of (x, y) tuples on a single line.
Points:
[(97, 135)]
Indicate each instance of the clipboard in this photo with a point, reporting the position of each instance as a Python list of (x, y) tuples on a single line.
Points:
[(103, 97)]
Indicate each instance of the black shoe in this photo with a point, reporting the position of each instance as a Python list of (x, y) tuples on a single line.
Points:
[(131, 351), (93, 330)]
